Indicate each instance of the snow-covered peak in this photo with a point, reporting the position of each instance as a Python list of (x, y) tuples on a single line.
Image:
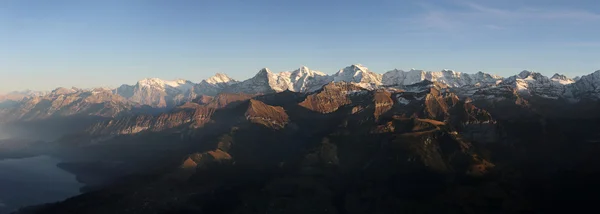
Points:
[(533, 83), (305, 71), (483, 79), (264, 81), (265, 72), (357, 73), (451, 72), (306, 80), (524, 74), (180, 84), (360, 67), (562, 79), (449, 77), (588, 86), (220, 78), (300, 80), (528, 76), (62, 91)]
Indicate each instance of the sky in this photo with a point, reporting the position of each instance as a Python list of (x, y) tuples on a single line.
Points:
[(47, 44)]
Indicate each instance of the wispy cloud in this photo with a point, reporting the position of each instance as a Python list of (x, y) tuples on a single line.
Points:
[(533, 13), (474, 15), (494, 27), (582, 44)]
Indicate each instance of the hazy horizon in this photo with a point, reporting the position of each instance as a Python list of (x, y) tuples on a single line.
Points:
[(251, 74)]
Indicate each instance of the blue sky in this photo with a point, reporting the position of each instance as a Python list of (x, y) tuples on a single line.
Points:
[(46, 44)]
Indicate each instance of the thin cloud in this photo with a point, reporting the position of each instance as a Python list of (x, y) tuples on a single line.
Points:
[(583, 44), (494, 27), (473, 15), (533, 13)]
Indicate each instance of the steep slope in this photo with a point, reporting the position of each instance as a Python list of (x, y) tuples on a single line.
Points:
[(270, 116), (383, 102), (332, 97)]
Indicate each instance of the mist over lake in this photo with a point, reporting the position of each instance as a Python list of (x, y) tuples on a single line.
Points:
[(33, 181)]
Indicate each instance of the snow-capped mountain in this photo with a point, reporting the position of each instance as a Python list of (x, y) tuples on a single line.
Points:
[(562, 79), (155, 92), (484, 79), (360, 75), (220, 79), (265, 81), (587, 87), (158, 93), (306, 80), (533, 83), (213, 85), (448, 77)]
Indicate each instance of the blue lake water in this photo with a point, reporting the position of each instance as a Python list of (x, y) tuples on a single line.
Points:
[(32, 181)]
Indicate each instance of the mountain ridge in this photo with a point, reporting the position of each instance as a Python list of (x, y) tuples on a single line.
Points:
[(166, 94)]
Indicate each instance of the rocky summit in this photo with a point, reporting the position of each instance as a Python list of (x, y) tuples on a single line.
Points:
[(303, 141)]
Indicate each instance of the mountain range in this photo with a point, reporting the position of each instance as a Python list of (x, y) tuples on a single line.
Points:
[(306, 142), (162, 94)]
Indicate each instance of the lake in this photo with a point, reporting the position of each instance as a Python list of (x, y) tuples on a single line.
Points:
[(32, 181)]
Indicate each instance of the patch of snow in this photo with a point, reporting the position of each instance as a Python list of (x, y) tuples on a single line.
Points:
[(356, 92), (548, 97), (562, 79), (403, 100)]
